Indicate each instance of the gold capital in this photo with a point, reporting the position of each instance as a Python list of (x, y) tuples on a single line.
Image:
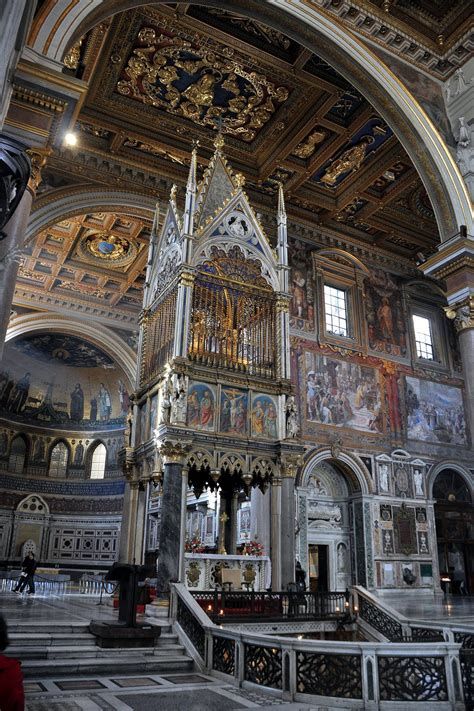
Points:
[(462, 314)]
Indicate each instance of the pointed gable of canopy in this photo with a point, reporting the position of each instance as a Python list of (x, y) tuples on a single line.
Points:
[(165, 253), (224, 218)]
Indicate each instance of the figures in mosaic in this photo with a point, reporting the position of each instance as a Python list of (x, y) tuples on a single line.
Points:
[(77, 403)]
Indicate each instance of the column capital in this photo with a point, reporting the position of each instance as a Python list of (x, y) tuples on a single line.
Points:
[(289, 465), (38, 158), (454, 264), (172, 451), (462, 314)]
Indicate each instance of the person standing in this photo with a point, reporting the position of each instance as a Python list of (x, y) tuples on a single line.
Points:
[(27, 576), (12, 695)]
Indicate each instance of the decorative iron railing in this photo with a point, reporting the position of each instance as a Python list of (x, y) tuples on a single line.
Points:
[(158, 337), (429, 673), (220, 605), (380, 620)]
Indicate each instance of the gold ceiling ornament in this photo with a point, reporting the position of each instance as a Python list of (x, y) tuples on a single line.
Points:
[(73, 56), (252, 27), (350, 160), (306, 148), (199, 84), (98, 246), (153, 150)]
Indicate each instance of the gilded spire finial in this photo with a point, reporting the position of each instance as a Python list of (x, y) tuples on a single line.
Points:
[(219, 141)]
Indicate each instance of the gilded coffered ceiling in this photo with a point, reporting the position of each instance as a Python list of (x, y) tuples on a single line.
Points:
[(162, 77)]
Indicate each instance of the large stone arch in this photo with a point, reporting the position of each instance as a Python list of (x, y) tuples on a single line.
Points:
[(66, 203), (353, 469), (56, 29), (455, 466), (104, 337)]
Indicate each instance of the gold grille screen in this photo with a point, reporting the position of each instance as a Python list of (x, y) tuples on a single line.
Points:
[(233, 326), (158, 338)]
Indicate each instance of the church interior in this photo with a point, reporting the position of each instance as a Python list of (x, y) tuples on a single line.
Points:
[(237, 350)]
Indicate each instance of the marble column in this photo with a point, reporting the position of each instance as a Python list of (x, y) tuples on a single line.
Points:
[(465, 330), (234, 507), (287, 529), (12, 243), (260, 517), (184, 499), (275, 547), (172, 520), (453, 264)]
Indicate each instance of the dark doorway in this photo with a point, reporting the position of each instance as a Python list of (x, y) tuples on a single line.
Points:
[(318, 567), (454, 515)]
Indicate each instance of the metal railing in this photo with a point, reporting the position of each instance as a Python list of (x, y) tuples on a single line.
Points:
[(240, 605), (351, 674)]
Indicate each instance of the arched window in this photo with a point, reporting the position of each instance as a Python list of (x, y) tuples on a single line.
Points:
[(99, 456), (16, 461), (59, 460)]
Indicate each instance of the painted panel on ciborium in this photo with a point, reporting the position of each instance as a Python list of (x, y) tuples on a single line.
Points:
[(234, 411), (264, 416), (201, 407)]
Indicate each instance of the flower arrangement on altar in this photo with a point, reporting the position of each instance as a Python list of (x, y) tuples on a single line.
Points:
[(194, 545), (253, 548)]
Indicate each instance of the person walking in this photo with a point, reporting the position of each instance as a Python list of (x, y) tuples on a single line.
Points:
[(27, 576), (12, 695)]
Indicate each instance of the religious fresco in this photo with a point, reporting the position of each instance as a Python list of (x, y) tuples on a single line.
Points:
[(234, 409), (61, 381), (201, 406), (301, 286), (384, 313), (343, 394), (435, 412), (264, 416)]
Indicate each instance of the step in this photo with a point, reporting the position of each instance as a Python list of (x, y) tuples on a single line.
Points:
[(112, 663), (23, 639), (90, 651)]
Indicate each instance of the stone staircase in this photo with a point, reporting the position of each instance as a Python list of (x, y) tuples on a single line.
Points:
[(63, 649)]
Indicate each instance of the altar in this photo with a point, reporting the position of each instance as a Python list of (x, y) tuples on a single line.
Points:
[(203, 571)]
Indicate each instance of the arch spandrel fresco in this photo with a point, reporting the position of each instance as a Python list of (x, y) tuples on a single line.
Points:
[(61, 381)]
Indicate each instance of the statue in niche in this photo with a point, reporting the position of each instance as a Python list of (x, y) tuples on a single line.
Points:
[(180, 401), (418, 477), (383, 477), (39, 450), (341, 558), (292, 426), (129, 427), (317, 486), (79, 454), (408, 576), (165, 416)]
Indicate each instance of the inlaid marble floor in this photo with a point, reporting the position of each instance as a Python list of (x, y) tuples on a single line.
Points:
[(442, 608)]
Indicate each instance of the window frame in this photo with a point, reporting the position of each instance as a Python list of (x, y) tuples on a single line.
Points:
[(94, 449), (68, 458), (340, 270), (439, 337)]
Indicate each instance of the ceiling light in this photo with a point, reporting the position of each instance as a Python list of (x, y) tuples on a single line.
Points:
[(70, 139)]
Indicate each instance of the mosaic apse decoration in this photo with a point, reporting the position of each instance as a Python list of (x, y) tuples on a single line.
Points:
[(234, 411), (201, 413), (435, 412), (342, 394), (264, 417), (58, 380)]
